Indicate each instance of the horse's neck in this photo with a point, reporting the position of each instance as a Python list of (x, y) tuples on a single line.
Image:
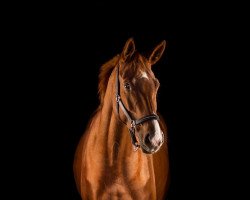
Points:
[(113, 135), (113, 142), (118, 153)]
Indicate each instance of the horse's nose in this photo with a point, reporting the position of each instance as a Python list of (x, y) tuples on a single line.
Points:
[(152, 141)]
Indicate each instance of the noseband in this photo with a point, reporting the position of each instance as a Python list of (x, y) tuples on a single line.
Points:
[(133, 122)]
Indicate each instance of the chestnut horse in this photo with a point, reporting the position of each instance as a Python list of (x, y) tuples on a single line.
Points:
[(107, 165)]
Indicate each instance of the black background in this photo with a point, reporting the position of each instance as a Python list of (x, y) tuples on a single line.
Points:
[(59, 50)]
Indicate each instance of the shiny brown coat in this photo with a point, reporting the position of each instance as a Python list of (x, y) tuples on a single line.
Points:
[(106, 166)]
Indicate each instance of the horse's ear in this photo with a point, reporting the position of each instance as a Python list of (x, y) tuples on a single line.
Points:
[(128, 49), (157, 52)]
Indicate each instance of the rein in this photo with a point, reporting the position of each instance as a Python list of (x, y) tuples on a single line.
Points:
[(133, 122)]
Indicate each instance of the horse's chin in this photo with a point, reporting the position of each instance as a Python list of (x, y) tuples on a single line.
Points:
[(146, 151)]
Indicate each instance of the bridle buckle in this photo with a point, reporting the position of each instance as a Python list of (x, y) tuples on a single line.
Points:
[(117, 98), (132, 125)]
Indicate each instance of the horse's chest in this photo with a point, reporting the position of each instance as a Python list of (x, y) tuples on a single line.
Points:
[(130, 182), (130, 178), (126, 183), (138, 170), (128, 189)]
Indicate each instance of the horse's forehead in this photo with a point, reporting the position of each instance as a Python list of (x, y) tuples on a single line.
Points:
[(144, 78), (144, 74), (138, 70)]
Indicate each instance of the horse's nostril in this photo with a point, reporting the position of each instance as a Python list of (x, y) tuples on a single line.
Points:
[(147, 139)]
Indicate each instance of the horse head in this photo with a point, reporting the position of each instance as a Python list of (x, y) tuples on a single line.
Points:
[(136, 90)]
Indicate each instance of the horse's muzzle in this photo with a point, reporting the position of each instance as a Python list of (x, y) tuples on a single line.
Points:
[(151, 143)]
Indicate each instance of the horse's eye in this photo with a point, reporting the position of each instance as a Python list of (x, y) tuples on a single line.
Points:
[(127, 86)]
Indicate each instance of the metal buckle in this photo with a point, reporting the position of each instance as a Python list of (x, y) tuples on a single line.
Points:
[(117, 98), (136, 146), (132, 124)]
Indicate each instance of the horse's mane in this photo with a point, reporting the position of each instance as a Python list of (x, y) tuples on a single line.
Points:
[(105, 72)]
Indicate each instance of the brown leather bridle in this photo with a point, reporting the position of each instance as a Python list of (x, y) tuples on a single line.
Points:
[(133, 122)]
